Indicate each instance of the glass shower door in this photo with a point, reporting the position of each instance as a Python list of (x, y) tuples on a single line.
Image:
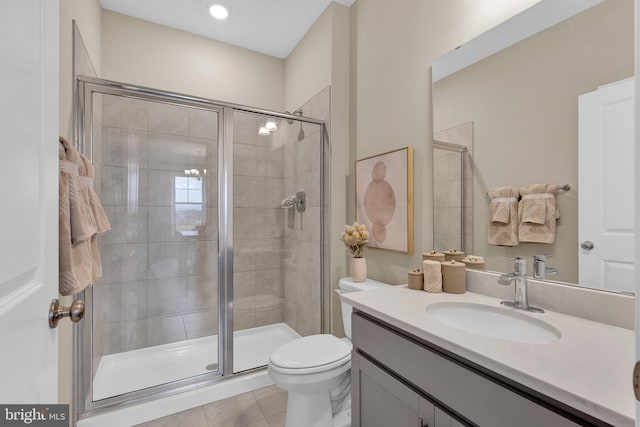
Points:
[(277, 248), (155, 311)]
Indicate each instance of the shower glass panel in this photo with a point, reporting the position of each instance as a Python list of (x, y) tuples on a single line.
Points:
[(215, 256), (277, 247), (448, 196), (155, 312)]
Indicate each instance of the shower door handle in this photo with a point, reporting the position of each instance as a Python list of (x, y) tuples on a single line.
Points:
[(56, 312)]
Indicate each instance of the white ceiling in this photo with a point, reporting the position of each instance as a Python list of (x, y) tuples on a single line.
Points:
[(273, 27)]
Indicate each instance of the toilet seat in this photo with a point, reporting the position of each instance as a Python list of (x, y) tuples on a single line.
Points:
[(311, 354)]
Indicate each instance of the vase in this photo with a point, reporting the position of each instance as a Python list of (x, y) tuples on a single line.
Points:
[(358, 269)]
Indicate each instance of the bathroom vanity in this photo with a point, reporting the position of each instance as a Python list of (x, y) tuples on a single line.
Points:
[(411, 369)]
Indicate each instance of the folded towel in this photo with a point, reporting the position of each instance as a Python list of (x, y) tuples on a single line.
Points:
[(538, 213), (80, 218), (432, 275), (503, 221)]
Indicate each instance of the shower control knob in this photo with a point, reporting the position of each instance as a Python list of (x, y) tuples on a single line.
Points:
[(587, 245), (56, 312)]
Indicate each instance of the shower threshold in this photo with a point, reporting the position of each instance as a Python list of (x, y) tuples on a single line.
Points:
[(122, 373)]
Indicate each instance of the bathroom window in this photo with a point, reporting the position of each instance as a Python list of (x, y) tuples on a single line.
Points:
[(189, 207)]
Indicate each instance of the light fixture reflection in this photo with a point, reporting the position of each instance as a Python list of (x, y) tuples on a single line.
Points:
[(271, 125), (263, 130)]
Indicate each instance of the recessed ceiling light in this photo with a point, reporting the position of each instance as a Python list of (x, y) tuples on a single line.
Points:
[(219, 12)]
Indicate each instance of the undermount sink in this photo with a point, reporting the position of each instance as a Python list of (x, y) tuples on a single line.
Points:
[(493, 322)]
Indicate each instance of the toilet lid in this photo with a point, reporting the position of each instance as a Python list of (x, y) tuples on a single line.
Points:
[(307, 352)]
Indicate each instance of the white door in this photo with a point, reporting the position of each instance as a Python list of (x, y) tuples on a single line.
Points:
[(28, 200), (606, 179)]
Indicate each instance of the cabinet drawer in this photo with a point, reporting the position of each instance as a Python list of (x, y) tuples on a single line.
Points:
[(465, 392)]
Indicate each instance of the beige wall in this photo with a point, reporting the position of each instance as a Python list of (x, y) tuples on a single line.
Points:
[(395, 48), (524, 105), (321, 59), (87, 16), (147, 54)]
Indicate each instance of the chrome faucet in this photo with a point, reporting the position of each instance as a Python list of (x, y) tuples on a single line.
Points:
[(519, 277), (540, 270)]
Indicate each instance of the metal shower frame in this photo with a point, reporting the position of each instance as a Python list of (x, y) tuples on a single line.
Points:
[(84, 405)]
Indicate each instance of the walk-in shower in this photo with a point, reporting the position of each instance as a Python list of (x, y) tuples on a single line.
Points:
[(204, 272)]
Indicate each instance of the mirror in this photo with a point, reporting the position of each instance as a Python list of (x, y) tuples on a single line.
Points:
[(522, 102)]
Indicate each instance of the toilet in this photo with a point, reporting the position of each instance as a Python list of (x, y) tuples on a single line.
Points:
[(316, 371)]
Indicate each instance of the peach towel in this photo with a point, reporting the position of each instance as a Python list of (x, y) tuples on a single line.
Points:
[(432, 276), (538, 213), (503, 218), (80, 219)]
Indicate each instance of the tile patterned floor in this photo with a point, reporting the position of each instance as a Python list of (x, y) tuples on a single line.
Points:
[(265, 407)]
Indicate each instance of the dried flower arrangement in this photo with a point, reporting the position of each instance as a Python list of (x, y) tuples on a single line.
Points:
[(356, 239)]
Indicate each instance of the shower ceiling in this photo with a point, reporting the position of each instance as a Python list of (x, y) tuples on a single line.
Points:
[(272, 27)]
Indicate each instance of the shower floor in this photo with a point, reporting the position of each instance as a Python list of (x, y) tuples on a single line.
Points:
[(129, 371)]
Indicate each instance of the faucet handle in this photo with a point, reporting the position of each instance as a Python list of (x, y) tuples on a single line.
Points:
[(541, 257), (519, 265)]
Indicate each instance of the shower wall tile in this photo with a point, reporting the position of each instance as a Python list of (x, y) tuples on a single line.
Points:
[(201, 324), (167, 296), (269, 192), (270, 282), (310, 183), (116, 336), (244, 160), (203, 124), (128, 224), (202, 154), (124, 263), (244, 255), (269, 254), (244, 285), (121, 301), (305, 150), (158, 330), (124, 186), (168, 260), (211, 189), (244, 223), (245, 191), (125, 113), (202, 258), (162, 225), (245, 128), (124, 147), (168, 119), (161, 188), (244, 316), (169, 152), (202, 293), (269, 223), (270, 316), (270, 162)]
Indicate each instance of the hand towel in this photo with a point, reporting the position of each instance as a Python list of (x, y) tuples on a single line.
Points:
[(538, 213), (81, 218), (432, 276), (503, 219)]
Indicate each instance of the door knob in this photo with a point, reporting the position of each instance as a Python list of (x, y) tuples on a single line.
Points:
[(56, 312), (587, 245)]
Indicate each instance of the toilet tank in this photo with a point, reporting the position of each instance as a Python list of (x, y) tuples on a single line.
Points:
[(345, 285)]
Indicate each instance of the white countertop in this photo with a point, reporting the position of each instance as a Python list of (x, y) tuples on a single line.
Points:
[(589, 368)]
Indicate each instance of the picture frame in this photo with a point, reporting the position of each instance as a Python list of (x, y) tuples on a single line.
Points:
[(384, 199)]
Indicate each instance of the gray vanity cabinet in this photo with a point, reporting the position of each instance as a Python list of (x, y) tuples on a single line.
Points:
[(384, 401), (399, 380)]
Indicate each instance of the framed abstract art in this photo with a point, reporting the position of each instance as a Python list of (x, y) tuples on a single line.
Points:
[(384, 199)]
